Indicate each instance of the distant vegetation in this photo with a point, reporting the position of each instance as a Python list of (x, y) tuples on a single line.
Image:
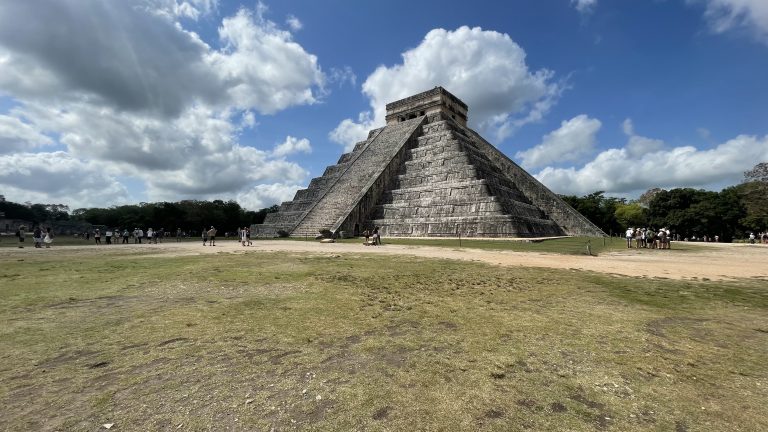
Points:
[(188, 215), (731, 213)]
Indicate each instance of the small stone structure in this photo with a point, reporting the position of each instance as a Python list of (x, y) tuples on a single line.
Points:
[(426, 174)]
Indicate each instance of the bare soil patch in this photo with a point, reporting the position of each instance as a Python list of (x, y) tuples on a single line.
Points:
[(712, 261)]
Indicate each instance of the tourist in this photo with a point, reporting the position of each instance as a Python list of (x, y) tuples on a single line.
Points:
[(141, 235), (248, 236), (243, 240), (629, 234), (48, 239), (205, 236), (212, 236), (638, 238), (376, 237), (367, 235), (178, 234), (126, 234), (97, 236), (752, 238), (20, 235), (37, 237), (108, 236), (150, 234)]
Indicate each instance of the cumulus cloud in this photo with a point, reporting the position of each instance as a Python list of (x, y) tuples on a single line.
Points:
[(125, 87), (584, 6), (119, 55), (486, 69), (292, 145), (349, 132), (58, 177), (343, 75), (265, 195), (574, 139), (15, 136), (293, 23), (261, 67), (637, 145), (725, 15), (192, 9), (619, 171)]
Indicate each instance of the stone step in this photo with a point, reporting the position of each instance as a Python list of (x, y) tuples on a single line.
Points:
[(335, 170), (414, 180), (479, 208), (448, 159), (456, 199), (435, 149), (483, 226)]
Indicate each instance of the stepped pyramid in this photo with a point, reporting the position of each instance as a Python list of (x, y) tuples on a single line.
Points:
[(426, 174)]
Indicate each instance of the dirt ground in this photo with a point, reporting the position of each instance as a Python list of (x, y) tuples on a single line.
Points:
[(714, 261)]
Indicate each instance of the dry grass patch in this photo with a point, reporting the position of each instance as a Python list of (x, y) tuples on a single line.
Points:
[(257, 341)]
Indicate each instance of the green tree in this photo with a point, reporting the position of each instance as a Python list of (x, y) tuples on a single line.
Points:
[(600, 210), (631, 215)]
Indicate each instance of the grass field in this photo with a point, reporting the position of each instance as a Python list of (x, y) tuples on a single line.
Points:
[(565, 245), (262, 341)]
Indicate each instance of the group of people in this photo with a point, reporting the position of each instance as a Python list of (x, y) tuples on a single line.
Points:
[(648, 238), (376, 241), (759, 238), (139, 235), (40, 236), (244, 234), (209, 236)]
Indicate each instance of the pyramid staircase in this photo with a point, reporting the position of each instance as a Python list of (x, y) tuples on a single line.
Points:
[(448, 187)]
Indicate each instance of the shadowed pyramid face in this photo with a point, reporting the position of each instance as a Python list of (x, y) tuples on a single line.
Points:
[(426, 174)]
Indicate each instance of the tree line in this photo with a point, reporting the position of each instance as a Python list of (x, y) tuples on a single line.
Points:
[(732, 213), (188, 215)]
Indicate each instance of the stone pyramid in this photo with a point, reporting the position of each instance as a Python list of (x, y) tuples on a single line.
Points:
[(426, 174)]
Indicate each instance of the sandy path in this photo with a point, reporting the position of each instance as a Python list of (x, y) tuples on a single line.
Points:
[(713, 261)]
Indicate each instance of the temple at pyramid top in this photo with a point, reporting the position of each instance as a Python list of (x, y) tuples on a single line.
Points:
[(437, 100), (426, 174)]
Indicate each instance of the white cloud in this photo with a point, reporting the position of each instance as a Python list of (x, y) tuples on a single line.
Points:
[(725, 15), (349, 132), (265, 195), (192, 9), (58, 177), (342, 75), (618, 171), (262, 67), (574, 139), (15, 135), (293, 23), (485, 69), (125, 88), (292, 145), (584, 6), (628, 127), (637, 145), (118, 55)]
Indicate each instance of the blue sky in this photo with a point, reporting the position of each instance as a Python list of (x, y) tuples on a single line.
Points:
[(104, 103)]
